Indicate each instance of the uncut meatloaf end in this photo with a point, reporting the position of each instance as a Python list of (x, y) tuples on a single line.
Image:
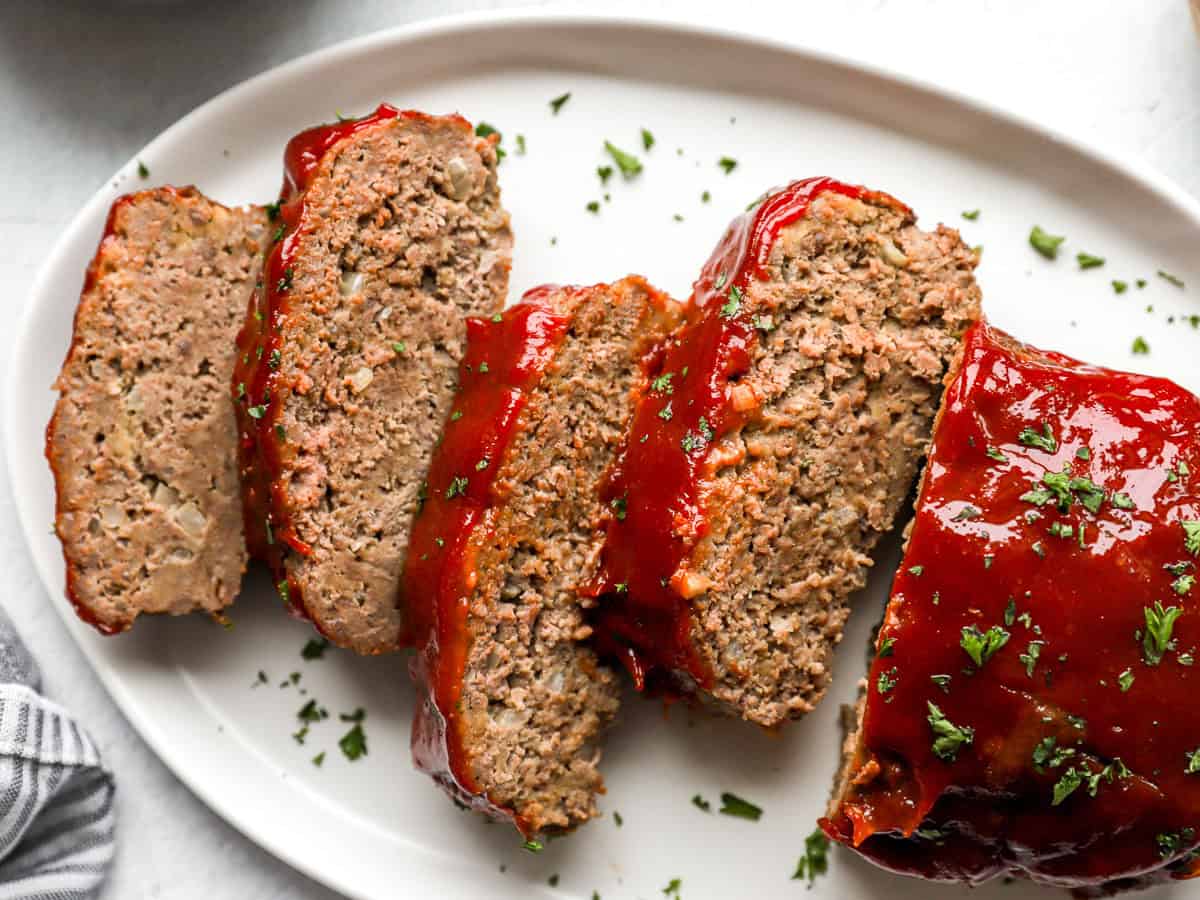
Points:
[(392, 231), (142, 440), (513, 704), (838, 319)]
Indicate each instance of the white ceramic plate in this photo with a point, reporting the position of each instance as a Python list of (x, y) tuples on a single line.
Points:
[(376, 829)]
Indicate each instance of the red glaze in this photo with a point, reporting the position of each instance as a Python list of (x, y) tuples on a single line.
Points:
[(257, 385), (514, 351), (644, 619), (1137, 437), (90, 279)]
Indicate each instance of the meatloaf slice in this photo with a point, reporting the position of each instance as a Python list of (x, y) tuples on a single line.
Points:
[(142, 441), (512, 704), (794, 407), (391, 230), (1030, 708)]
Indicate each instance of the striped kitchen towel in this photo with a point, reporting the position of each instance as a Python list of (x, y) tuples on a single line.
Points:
[(56, 798)]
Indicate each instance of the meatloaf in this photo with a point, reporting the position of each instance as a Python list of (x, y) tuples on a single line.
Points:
[(785, 429), (142, 441), (390, 231), (512, 704), (1029, 708)]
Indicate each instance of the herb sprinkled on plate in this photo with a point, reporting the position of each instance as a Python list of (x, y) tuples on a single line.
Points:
[(1140, 346), (558, 102), (815, 860), (733, 805), (727, 163), (629, 164), (1045, 243), (1088, 261)]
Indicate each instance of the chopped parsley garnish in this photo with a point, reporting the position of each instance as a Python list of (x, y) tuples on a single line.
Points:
[(886, 646), (1193, 762), (1122, 501), (1183, 584), (727, 163), (764, 323), (982, 645), (967, 513), (520, 145), (705, 197), (1156, 639), (354, 742), (672, 888), (272, 211), (315, 648), (481, 465), (1125, 680), (916, 570), (942, 681), (1058, 529), (310, 712), (647, 139), (887, 680), (617, 820), (1191, 537), (971, 215), (1071, 779), (666, 413), (1116, 768), (619, 506), (274, 359), (1030, 656), (552, 880), (456, 415), (319, 759), (257, 412), (1169, 278), (1120, 287), (701, 804), (733, 805), (142, 170), (534, 846), (604, 173), (1045, 243), (284, 591), (1140, 346), (1087, 261), (662, 384), (557, 104), (1083, 453), (1043, 441), (815, 860), (996, 455), (733, 304), (1048, 755), (594, 207), (483, 129), (1010, 612), (457, 488), (629, 164), (948, 738), (399, 347), (1171, 842)]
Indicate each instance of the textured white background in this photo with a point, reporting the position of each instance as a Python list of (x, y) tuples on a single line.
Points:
[(84, 84)]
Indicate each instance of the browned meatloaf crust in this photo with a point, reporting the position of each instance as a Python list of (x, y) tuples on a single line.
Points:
[(390, 231), (819, 336), (142, 441), (513, 705)]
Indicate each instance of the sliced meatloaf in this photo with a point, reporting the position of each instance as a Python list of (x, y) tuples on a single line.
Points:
[(790, 416), (511, 703), (142, 441), (390, 232), (1029, 707)]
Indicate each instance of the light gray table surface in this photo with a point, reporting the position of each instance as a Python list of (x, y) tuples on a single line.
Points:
[(83, 85)]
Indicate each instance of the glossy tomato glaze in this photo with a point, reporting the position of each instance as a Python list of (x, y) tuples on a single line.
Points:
[(1109, 795), (505, 359), (257, 383), (90, 278), (660, 475)]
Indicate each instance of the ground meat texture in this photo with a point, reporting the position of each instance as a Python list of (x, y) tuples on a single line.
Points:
[(802, 392), (1029, 706), (142, 441), (391, 231), (512, 703)]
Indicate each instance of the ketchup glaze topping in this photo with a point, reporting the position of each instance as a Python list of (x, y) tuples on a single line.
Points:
[(506, 356), (659, 478), (1029, 708), (258, 384)]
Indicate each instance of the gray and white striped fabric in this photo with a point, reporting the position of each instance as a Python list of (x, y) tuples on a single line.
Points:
[(56, 798)]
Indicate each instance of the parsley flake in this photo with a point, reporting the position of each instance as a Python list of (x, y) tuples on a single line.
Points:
[(1088, 261), (1045, 243), (733, 805), (1156, 639), (982, 645), (971, 215), (1044, 441), (815, 860), (948, 738), (1140, 346), (1170, 279), (734, 303), (315, 648), (1071, 779), (629, 164), (557, 103)]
